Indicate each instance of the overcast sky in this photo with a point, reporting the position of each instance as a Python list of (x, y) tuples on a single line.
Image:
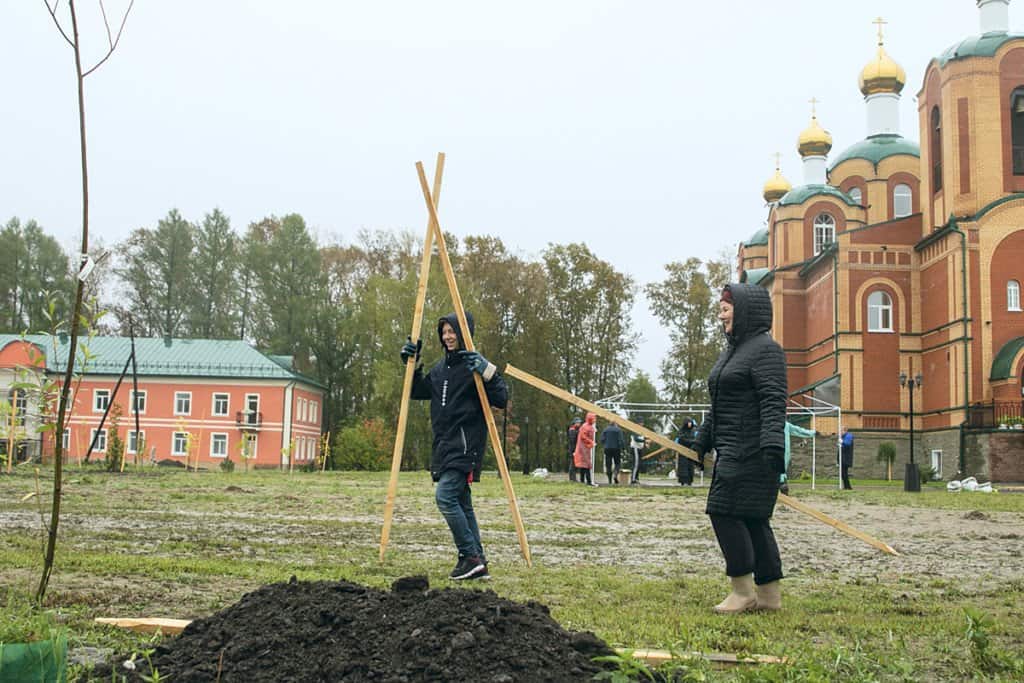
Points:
[(645, 129)]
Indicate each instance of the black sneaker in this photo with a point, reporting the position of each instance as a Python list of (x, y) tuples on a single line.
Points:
[(460, 568), (485, 575), (469, 568)]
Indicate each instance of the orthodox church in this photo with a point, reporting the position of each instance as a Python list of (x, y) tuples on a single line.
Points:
[(895, 267)]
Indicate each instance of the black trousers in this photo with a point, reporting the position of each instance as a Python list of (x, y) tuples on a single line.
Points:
[(612, 463), (572, 467), (846, 477), (749, 547)]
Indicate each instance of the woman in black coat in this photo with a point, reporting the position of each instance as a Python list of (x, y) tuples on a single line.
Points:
[(745, 427)]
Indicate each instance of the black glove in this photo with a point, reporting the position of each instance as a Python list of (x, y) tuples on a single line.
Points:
[(410, 350), (478, 364), (699, 464), (784, 488), (776, 459)]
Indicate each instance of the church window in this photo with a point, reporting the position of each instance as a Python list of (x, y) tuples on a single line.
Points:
[(902, 201), (1013, 295), (855, 195), (824, 232), (18, 400), (879, 312), (1017, 130), (936, 149)]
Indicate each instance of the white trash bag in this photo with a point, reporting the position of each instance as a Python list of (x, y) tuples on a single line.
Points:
[(954, 486), (540, 473)]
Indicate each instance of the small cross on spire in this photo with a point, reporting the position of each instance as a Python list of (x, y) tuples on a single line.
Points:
[(778, 161), (880, 22), (814, 107)]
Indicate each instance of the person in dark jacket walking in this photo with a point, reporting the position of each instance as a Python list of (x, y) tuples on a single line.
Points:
[(613, 441), (460, 434), (684, 466), (572, 435), (746, 426), (846, 457)]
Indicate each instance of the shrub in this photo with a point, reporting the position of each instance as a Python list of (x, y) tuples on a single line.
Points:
[(115, 446), (227, 465), (887, 455), (363, 446)]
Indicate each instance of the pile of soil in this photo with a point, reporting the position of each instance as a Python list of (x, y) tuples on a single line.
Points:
[(341, 631)]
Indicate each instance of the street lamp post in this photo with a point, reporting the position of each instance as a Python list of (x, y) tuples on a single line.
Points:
[(911, 476)]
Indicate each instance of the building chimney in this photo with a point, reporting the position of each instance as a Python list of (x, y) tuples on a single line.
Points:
[(994, 15)]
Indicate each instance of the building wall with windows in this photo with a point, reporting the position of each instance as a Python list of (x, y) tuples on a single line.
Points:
[(198, 402)]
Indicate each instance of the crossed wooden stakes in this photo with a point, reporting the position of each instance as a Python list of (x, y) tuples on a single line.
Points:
[(434, 232)]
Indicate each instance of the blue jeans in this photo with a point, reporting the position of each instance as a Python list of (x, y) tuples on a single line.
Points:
[(455, 501)]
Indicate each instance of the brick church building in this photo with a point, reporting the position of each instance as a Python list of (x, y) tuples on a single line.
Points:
[(895, 257)]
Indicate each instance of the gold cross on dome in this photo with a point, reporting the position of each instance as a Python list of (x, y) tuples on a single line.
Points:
[(814, 108), (880, 22), (778, 160)]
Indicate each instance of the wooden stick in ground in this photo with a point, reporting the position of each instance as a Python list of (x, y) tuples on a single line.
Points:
[(410, 366), (547, 387), (654, 453), (492, 428)]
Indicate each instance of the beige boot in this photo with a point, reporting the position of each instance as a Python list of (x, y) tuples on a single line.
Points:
[(769, 596), (742, 597)]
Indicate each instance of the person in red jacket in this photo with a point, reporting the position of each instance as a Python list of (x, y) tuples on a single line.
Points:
[(584, 455)]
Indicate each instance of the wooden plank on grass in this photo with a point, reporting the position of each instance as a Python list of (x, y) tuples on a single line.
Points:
[(659, 657), (147, 624)]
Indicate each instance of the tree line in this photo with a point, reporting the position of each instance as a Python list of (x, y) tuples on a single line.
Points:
[(341, 310)]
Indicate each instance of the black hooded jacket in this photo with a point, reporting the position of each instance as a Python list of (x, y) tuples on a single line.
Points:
[(748, 411), (460, 431)]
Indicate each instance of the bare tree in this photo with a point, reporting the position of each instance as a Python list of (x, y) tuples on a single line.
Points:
[(80, 73)]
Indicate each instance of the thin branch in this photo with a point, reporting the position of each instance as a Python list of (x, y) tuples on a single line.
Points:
[(117, 40), (106, 24), (53, 14)]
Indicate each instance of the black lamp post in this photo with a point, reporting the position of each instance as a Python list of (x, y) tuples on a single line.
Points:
[(526, 445), (911, 476)]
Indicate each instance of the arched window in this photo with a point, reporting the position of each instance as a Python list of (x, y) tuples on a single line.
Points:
[(1013, 295), (824, 231), (1017, 130), (936, 149), (902, 201), (855, 195), (879, 312)]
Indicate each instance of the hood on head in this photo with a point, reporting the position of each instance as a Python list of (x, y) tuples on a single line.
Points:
[(688, 424), (591, 418), (751, 310), (453, 320)]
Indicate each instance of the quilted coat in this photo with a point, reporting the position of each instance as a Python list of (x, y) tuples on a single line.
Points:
[(748, 412)]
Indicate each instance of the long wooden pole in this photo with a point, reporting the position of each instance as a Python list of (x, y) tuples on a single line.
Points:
[(467, 338), (410, 366), (537, 383)]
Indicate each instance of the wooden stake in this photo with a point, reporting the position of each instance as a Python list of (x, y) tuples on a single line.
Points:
[(659, 657), (147, 624), (537, 383), (410, 366), (653, 453), (467, 338)]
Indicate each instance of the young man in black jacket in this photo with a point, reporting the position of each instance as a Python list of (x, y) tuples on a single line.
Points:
[(460, 434)]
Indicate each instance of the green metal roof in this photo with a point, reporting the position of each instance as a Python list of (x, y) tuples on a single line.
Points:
[(753, 276), (878, 147), (1002, 366), (984, 45), (801, 193), (227, 358), (758, 238)]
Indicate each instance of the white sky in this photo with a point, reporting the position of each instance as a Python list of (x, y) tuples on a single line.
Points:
[(643, 128)]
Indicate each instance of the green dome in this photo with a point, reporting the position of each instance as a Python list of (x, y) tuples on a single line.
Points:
[(753, 276), (758, 238), (799, 195), (878, 147), (1002, 366), (984, 45)]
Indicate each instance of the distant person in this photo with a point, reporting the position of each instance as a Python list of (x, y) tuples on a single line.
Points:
[(613, 441), (584, 456), (572, 434), (792, 430), (637, 444), (684, 466), (846, 457), (746, 427), (460, 434)]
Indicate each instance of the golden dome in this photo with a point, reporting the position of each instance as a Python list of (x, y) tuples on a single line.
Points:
[(815, 140), (882, 75), (776, 187)]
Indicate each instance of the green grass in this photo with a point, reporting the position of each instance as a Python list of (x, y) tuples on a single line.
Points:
[(639, 567)]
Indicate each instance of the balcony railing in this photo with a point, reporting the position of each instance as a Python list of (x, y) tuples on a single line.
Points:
[(990, 414), (248, 420)]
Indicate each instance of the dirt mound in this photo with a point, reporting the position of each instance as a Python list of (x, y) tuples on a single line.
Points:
[(341, 631), (976, 515)]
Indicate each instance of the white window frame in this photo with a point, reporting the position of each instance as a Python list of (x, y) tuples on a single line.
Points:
[(142, 394), (300, 449), (101, 442), (1013, 296), (98, 394), (858, 197), (66, 440), (824, 224), (316, 408), (129, 447), (902, 192), (214, 437), (227, 404), (256, 412), (253, 439), (884, 310), (178, 397), (174, 444)]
